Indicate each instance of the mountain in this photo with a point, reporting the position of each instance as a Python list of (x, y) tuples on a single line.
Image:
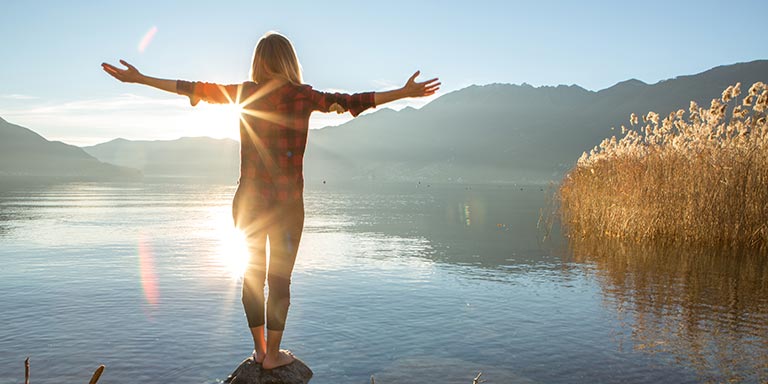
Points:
[(490, 133), (25, 155), (501, 132), (190, 157)]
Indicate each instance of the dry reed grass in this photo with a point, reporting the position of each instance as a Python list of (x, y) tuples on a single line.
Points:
[(698, 176)]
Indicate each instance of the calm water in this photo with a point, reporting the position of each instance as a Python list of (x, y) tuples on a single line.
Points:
[(408, 283)]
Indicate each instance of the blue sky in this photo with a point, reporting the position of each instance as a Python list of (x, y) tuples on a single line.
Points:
[(51, 82)]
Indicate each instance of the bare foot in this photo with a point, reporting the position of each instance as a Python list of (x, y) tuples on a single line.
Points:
[(278, 360), (258, 356)]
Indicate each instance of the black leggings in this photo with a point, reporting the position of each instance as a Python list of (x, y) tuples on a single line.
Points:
[(283, 225)]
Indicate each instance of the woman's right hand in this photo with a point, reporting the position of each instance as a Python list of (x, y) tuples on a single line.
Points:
[(412, 88), (130, 75), (420, 89)]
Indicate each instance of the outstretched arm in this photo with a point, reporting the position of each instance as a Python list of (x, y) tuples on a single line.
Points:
[(410, 89), (132, 75), (196, 91), (357, 103)]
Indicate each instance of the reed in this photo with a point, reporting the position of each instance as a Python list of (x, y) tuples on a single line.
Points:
[(698, 176)]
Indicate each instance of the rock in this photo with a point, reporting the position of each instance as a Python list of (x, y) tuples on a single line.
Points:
[(250, 372)]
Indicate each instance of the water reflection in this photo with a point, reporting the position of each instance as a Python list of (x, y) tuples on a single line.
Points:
[(10, 213), (6, 218), (702, 308), (491, 226)]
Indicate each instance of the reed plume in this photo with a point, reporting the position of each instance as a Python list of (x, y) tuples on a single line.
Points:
[(698, 176)]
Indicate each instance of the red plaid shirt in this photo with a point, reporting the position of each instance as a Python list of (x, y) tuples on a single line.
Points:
[(273, 130)]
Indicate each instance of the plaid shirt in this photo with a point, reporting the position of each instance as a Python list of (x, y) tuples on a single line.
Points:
[(273, 131)]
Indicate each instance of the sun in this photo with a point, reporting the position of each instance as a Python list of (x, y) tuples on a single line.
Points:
[(217, 120)]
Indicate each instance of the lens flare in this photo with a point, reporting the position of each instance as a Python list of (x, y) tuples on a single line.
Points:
[(144, 43), (147, 273), (232, 252)]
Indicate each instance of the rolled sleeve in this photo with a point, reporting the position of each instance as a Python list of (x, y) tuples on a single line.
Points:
[(358, 102), (354, 103), (208, 92)]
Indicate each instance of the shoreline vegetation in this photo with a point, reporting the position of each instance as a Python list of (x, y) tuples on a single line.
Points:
[(94, 378), (695, 177)]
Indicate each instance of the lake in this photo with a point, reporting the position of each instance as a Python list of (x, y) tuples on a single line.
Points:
[(408, 282)]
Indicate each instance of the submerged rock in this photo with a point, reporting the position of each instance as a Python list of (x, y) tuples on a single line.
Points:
[(250, 372)]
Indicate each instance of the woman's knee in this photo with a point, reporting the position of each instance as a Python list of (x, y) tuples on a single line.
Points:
[(279, 286), (254, 276)]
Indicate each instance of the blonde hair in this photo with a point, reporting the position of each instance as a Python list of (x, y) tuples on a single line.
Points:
[(274, 57)]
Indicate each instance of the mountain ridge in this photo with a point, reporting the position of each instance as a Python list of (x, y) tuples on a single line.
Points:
[(26, 155), (502, 133), (190, 157), (506, 133)]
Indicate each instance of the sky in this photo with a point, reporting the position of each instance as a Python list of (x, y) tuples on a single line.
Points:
[(51, 51)]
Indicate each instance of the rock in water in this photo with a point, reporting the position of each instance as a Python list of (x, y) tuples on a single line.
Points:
[(250, 372)]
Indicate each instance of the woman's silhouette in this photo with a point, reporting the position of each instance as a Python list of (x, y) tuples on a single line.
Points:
[(269, 200)]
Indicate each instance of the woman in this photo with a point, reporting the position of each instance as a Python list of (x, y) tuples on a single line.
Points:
[(269, 198)]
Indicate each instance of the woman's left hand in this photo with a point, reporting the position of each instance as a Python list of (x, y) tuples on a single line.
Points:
[(130, 75)]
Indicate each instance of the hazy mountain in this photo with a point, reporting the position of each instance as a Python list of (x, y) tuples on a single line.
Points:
[(503, 132), (490, 133), (26, 155), (196, 157)]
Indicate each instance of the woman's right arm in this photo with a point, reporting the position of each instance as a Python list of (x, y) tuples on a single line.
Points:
[(412, 88), (359, 102), (196, 91)]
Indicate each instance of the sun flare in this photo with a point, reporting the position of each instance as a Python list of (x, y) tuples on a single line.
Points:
[(231, 251), (147, 39), (214, 120)]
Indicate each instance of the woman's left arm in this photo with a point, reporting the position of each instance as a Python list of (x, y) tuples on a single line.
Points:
[(196, 91), (132, 75)]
